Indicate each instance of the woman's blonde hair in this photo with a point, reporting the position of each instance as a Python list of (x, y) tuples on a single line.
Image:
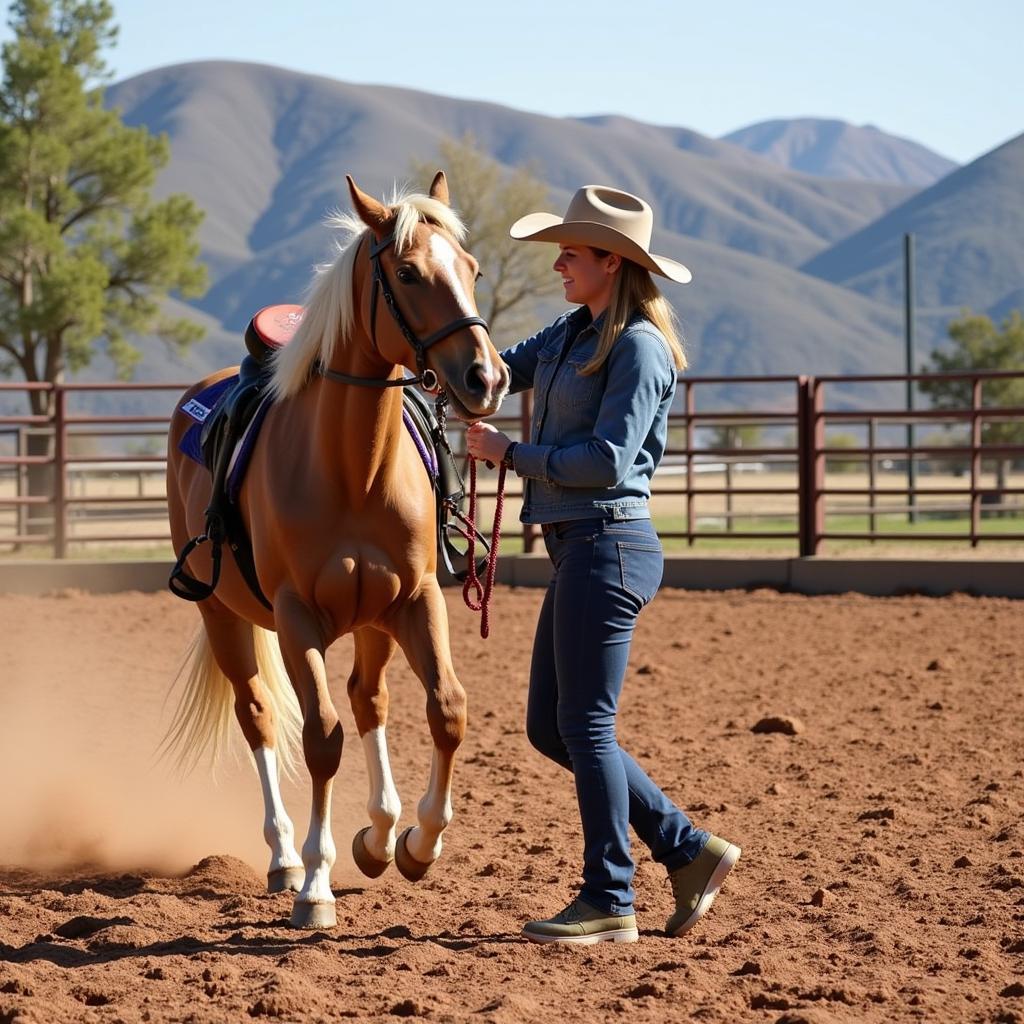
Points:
[(635, 292)]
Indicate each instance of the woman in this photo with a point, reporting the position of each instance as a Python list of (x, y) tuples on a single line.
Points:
[(604, 376)]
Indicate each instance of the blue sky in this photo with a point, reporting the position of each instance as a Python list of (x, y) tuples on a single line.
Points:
[(945, 73)]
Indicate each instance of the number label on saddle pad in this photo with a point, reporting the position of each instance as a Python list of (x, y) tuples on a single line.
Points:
[(196, 410)]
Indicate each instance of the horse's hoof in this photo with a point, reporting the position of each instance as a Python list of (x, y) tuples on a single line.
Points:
[(365, 861), (313, 915), (407, 864), (285, 879)]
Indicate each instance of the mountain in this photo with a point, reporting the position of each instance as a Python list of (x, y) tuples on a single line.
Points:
[(969, 241), (264, 151), (835, 149)]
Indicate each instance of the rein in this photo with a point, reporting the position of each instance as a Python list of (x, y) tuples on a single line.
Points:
[(482, 601)]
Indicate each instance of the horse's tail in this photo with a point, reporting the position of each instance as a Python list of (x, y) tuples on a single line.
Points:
[(202, 722)]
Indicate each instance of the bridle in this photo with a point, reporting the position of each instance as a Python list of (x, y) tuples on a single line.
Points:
[(381, 287)]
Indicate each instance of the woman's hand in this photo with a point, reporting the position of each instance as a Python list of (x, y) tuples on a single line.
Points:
[(485, 442)]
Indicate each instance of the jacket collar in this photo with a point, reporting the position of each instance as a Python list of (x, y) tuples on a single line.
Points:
[(580, 318)]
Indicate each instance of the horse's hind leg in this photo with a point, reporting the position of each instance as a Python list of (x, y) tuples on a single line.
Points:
[(373, 848), (422, 631), (233, 646), (303, 646)]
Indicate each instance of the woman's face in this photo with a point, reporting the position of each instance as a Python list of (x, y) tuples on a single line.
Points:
[(588, 278)]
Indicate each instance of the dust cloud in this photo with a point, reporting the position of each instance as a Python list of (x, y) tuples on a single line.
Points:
[(81, 721)]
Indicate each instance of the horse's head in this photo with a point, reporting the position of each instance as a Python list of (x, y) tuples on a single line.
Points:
[(431, 320)]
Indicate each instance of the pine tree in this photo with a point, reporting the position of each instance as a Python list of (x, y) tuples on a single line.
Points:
[(85, 255)]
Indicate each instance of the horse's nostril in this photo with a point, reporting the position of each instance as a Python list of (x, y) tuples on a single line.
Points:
[(476, 380)]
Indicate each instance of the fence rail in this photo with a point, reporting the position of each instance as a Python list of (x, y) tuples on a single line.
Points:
[(789, 483)]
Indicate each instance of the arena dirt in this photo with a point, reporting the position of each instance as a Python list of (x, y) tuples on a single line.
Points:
[(882, 876)]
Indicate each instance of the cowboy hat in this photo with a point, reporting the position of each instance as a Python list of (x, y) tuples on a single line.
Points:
[(603, 218)]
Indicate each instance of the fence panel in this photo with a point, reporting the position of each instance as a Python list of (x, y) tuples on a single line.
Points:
[(773, 471)]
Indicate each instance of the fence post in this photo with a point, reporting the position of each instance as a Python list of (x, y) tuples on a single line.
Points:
[(525, 416), (802, 471), (60, 508), (872, 476), (811, 463), (975, 460), (691, 409), (22, 478)]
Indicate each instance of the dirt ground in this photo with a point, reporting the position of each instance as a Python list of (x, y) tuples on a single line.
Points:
[(882, 876)]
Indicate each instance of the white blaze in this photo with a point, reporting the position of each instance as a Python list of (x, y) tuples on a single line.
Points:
[(444, 252)]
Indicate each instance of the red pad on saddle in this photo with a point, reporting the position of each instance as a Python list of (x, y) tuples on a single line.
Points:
[(271, 328)]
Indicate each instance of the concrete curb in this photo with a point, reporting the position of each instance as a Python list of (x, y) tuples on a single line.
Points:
[(876, 577)]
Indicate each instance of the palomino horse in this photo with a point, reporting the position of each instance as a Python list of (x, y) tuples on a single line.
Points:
[(342, 521)]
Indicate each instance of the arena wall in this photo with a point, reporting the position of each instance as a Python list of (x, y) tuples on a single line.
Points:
[(877, 577)]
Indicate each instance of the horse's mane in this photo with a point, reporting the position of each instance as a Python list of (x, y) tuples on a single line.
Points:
[(330, 304)]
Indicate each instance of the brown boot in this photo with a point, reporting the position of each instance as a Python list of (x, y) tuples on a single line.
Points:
[(581, 924), (696, 885)]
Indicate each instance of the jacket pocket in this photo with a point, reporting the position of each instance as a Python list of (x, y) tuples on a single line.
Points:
[(573, 388), (641, 566)]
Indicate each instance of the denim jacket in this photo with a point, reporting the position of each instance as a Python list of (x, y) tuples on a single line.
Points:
[(594, 440)]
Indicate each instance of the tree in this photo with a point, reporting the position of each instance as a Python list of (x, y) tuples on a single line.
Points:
[(515, 275), (979, 345), (85, 255), (838, 442), (747, 435)]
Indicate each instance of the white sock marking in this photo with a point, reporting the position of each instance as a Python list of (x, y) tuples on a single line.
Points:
[(434, 813), (277, 826), (383, 805), (318, 855)]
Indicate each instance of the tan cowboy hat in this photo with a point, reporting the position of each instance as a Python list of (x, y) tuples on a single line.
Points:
[(603, 218)]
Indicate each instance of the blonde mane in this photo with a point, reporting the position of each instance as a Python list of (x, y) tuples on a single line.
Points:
[(330, 304)]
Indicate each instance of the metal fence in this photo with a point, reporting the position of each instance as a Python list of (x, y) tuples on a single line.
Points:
[(770, 471)]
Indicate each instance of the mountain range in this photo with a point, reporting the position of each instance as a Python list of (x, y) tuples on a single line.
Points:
[(835, 149), (795, 260)]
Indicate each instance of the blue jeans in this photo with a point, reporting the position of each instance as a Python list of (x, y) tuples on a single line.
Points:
[(604, 573)]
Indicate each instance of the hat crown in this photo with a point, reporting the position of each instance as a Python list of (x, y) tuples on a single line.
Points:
[(621, 211)]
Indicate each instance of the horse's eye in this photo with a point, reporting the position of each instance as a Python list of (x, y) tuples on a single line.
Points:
[(406, 275)]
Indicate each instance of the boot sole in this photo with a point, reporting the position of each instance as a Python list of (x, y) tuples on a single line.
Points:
[(722, 868), (618, 935)]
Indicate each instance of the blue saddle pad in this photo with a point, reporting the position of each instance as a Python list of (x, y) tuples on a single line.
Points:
[(200, 407)]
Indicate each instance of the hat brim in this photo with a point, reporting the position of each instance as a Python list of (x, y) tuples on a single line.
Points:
[(548, 227)]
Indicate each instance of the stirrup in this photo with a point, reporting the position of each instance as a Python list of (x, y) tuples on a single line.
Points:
[(188, 587)]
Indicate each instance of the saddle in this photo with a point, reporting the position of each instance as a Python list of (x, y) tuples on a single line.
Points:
[(223, 437)]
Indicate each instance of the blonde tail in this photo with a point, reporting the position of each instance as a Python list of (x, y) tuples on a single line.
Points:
[(202, 722)]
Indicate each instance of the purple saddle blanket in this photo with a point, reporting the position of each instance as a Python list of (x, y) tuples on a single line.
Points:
[(201, 406)]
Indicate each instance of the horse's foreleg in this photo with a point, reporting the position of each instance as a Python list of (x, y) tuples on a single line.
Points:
[(302, 647), (232, 646), (423, 635), (373, 848), (286, 869)]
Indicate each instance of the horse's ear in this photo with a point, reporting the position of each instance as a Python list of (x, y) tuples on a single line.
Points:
[(373, 213), (439, 189)]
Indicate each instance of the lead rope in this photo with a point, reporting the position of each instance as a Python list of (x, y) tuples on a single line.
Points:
[(482, 602)]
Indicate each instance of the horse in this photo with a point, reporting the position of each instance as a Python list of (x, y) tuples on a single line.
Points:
[(341, 518)]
